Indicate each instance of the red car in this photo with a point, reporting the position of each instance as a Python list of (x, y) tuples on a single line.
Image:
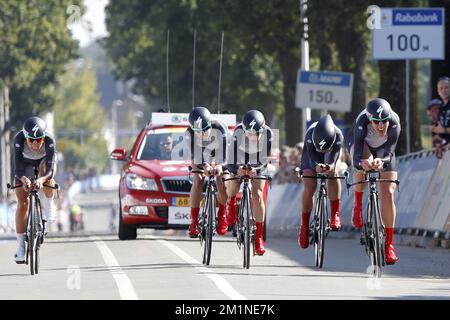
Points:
[(154, 189)]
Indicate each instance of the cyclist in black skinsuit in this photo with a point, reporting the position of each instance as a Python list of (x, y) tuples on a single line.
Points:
[(207, 139), (323, 142), (376, 132), (33, 147), (251, 145)]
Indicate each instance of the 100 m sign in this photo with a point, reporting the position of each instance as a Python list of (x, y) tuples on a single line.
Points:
[(403, 42)]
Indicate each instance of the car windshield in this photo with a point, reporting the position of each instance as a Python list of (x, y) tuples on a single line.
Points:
[(158, 144)]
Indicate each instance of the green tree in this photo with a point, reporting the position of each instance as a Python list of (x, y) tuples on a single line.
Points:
[(79, 120), (36, 45), (252, 75)]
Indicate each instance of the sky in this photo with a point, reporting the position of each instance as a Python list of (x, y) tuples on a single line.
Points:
[(94, 16)]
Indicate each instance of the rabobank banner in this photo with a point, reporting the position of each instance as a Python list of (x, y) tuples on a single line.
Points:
[(425, 17), (325, 78)]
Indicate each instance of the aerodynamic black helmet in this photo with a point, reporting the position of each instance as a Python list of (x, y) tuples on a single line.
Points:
[(200, 119), (34, 128), (378, 109), (324, 134), (253, 121)]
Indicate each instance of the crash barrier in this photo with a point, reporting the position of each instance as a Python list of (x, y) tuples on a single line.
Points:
[(7, 217), (423, 202), (106, 182), (98, 183)]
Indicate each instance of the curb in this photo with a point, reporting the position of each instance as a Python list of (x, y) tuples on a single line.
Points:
[(412, 237)]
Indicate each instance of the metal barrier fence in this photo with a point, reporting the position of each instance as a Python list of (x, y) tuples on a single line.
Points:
[(422, 203)]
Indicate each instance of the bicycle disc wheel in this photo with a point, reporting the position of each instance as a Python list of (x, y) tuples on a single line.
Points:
[(321, 232)]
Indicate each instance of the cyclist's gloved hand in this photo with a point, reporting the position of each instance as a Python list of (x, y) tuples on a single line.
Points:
[(252, 172), (377, 164), (366, 164), (40, 182), (219, 170), (242, 171), (322, 168), (26, 183), (207, 169)]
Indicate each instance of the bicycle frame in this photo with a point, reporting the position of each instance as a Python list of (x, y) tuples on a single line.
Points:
[(373, 236), (35, 229), (320, 224), (207, 220), (246, 225)]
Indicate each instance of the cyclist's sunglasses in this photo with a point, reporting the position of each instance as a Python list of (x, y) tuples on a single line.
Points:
[(377, 121), (38, 140)]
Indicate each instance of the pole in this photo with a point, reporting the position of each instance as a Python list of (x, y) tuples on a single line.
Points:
[(7, 135), (407, 117), (304, 46), (193, 71), (220, 74), (167, 69), (2, 144)]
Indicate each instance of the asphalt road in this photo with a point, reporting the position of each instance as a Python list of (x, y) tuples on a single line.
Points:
[(164, 265)]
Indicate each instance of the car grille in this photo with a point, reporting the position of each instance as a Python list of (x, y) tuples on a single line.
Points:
[(179, 185), (183, 186)]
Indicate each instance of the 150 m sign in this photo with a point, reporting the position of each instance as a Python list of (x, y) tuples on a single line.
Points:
[(321, 96), (324, 90)]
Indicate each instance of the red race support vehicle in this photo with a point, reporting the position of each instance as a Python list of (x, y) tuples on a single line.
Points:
[(154, 182)]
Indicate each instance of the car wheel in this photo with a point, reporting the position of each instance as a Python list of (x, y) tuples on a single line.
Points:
[(126, 232)]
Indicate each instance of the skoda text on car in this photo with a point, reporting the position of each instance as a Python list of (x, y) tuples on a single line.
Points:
[(154, 182)]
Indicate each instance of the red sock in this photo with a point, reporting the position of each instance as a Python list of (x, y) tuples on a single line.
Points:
[(389, 236), (358, 199), (305, 218), (194, 214), (335, 206)]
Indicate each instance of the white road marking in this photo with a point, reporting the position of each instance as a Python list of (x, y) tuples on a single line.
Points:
[(123, 283), (219, 281)]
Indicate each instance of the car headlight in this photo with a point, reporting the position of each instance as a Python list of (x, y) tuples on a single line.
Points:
[(136, 182)]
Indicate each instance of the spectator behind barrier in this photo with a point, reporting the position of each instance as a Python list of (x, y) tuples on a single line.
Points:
[(433, 114)]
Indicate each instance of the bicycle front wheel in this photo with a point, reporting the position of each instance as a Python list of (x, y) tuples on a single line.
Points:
[(207, 229), (378, 238), (321, 232), (247, 231), (32, 235)]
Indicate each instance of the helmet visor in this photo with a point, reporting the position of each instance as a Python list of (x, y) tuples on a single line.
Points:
[(198, 127)]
